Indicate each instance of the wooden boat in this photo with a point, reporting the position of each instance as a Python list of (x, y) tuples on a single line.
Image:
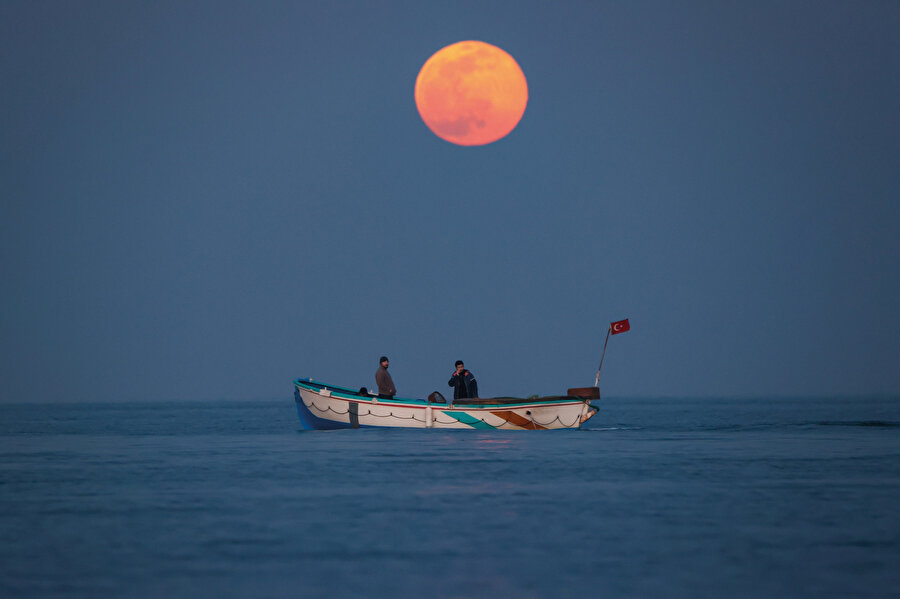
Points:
[(322, 406)]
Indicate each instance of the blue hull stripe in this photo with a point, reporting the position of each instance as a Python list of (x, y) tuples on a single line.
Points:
[(467, 419)]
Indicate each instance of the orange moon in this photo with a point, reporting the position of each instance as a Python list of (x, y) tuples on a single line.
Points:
[(471, 93)]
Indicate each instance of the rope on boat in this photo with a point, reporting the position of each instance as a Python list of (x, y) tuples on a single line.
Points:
[(435, 420)]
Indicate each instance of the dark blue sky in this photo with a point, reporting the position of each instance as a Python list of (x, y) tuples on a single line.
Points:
[(206, 200)]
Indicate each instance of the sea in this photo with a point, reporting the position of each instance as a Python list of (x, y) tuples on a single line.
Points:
[(655, 497)]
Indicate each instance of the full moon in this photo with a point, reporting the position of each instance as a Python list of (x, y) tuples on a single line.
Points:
[(471, 93)]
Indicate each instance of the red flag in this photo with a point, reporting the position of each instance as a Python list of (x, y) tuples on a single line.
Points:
[(620, 326)]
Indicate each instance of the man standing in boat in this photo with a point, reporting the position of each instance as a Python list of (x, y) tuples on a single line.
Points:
[(463, 382), (386, 389)]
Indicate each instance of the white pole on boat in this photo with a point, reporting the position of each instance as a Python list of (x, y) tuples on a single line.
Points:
[(603, 355), (620, 326)]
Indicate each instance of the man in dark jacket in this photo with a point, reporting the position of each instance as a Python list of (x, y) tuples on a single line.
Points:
[(386, 389), (463, 382)]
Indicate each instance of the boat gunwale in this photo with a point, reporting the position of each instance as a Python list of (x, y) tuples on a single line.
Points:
[(349, 395)]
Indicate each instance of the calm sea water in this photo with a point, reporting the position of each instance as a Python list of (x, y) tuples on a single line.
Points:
[(657, 498)]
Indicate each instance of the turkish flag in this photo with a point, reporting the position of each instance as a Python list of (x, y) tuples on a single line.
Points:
[(620, 326)]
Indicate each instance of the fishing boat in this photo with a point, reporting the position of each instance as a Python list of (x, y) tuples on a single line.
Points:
[(322, 406)]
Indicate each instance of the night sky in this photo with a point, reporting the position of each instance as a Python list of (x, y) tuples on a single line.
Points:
[(207, 200)]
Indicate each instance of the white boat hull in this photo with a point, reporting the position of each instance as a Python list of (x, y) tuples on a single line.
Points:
[(326, 407)]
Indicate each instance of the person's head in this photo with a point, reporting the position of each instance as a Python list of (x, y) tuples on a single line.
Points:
[(384, 361), (460, 366)]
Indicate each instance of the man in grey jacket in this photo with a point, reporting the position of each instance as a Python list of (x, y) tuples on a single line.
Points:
[(386, 389)]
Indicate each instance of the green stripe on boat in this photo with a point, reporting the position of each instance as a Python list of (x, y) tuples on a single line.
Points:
[(468, 419)]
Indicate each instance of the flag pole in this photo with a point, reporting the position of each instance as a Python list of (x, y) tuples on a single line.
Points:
[(603, 355)]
